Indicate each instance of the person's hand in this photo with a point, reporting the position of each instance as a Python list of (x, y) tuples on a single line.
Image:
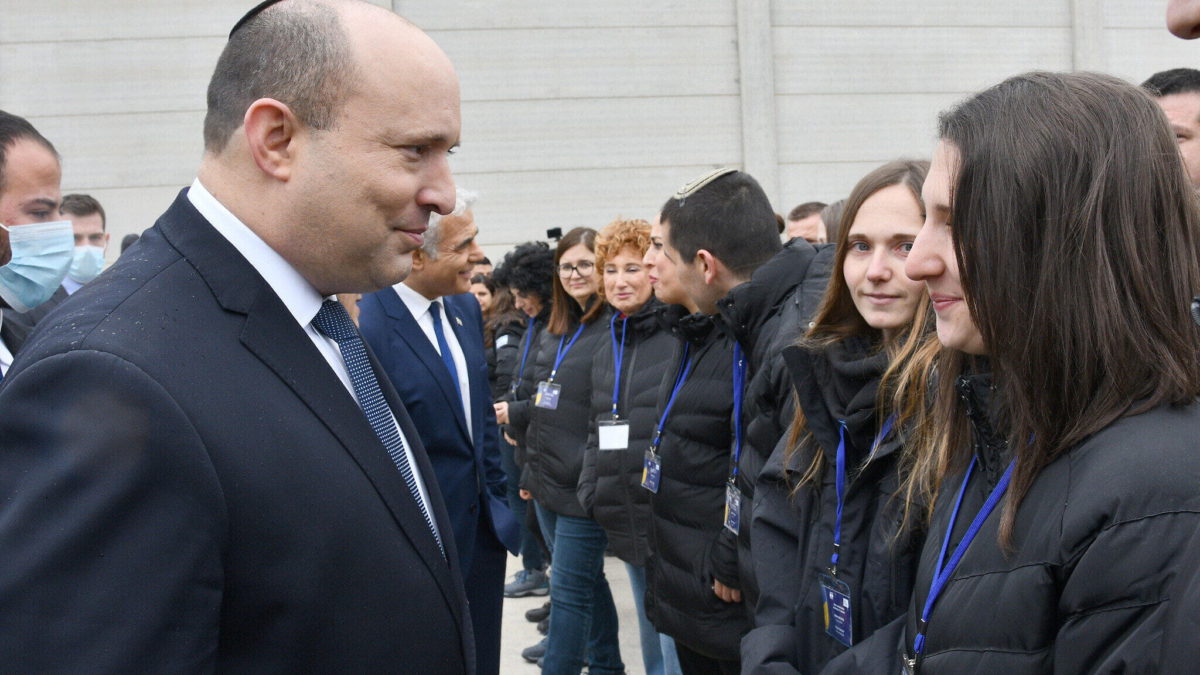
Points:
[(502, 414), (726, 593), (526, 494), (510, 439)]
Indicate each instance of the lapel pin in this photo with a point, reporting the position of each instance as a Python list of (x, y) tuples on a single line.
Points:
[(458, 320)]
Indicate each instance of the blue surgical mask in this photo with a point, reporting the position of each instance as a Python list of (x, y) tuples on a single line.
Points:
[(86, 264), (41, 255)]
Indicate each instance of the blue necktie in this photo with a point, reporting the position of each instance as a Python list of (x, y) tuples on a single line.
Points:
[(435, 310), (333, 321)]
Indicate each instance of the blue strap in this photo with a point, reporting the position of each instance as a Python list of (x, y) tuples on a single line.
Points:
[(685, 368), (739, 392), (618, 356), (524, 355), (945, 569), (562, 352), (840, 483)]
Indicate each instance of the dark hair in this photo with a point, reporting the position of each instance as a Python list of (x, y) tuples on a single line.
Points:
[(838, 318), (296, 53), (564, 310), (485, 280), (1174, 81), (529, 268), (805, 210), (129, 240), (484, 261), (83, 205), (13, 129), (1077, 236), (729, 217)]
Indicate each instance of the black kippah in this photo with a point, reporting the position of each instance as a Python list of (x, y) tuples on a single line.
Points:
[(251, 14)]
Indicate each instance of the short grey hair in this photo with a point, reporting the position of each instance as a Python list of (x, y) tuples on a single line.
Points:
[(463, 201)]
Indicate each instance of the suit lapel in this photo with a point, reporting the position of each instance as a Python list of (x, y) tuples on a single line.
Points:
[(405, 325), (472, 348)]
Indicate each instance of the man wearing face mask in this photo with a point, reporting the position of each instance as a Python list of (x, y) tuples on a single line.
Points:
[(35, 248), (91, 239)]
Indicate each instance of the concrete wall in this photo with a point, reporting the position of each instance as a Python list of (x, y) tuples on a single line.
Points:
[(576, 113)]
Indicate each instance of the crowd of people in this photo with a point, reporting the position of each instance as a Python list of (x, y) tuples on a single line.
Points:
[(947, 424)]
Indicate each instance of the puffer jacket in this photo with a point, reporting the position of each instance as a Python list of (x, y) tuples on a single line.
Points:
[(504, 356), (765, 315), (555, 439), (610, 486), (687, 513), (793, 534), (523, 383), (1098, 541)]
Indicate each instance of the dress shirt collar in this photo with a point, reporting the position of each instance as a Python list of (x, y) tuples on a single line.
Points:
[(301, 299), (418, 305)]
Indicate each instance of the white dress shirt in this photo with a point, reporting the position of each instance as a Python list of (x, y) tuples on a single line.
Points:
[(6, 357), (300, 298), (418, 305)]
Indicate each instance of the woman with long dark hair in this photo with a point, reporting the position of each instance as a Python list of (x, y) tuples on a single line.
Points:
[(1061, 252), (832, 564), (583, 621)]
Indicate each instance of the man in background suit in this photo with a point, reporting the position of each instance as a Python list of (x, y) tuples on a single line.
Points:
[(428, 334), (202, 467)]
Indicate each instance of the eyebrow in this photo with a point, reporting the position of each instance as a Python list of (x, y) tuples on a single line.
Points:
[(41, 201)]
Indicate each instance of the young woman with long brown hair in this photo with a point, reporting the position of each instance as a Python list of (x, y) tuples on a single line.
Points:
[(1061, 252), (832, 565)]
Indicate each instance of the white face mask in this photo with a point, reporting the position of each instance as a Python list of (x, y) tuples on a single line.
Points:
[(86, 264), (41, 255)]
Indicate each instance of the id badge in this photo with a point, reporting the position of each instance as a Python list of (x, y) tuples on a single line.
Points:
[(733, 508), (614, 434), (651, 471), (547, 395), (839, 623)]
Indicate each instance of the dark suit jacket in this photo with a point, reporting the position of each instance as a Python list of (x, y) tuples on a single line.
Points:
[(188, 487), (16, 326), (467, 464)]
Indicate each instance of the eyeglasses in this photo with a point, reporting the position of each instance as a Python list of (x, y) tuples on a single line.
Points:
[(584, 269)]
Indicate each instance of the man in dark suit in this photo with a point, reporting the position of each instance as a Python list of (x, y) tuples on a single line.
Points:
[(428, 334), (202, 467)]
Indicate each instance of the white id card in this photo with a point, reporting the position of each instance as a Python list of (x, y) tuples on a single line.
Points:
[(614, 434)]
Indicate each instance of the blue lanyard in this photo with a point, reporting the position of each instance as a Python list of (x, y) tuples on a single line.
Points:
[(685, 368), (618, 356), (562, 353), (841, 482), (945, 568), (739, 390), (524, 355)]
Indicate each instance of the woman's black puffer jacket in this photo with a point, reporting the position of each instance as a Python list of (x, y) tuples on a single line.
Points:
[(793, 533), (555, 439), (610, 487), (687, 514), (523, 383), (503, 357), (1098, 540)]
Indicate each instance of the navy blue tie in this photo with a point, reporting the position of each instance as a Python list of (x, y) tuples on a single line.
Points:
[(333, 321), (435, 309)]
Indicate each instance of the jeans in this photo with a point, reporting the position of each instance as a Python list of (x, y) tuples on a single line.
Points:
[(658, 650), (584, 620), (531, 551)]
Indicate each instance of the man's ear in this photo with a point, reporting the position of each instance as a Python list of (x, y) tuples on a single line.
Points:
[(418, 260), (272, 131), (707, 265)]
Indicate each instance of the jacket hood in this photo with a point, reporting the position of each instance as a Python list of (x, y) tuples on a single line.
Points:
[(746, 307)]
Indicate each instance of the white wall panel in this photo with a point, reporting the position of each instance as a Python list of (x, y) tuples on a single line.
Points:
[(593, 62), (612, 133), (922, 13), (823, 182), (1137, 53), (892, 60), (859, 128), (494, 14)]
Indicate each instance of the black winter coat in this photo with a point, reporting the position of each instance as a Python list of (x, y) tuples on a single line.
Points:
[(765, 315), (610, 486), (1098, 540), (793, 534), (503, 357), (688, 510), (523, 383), (555, 439)]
